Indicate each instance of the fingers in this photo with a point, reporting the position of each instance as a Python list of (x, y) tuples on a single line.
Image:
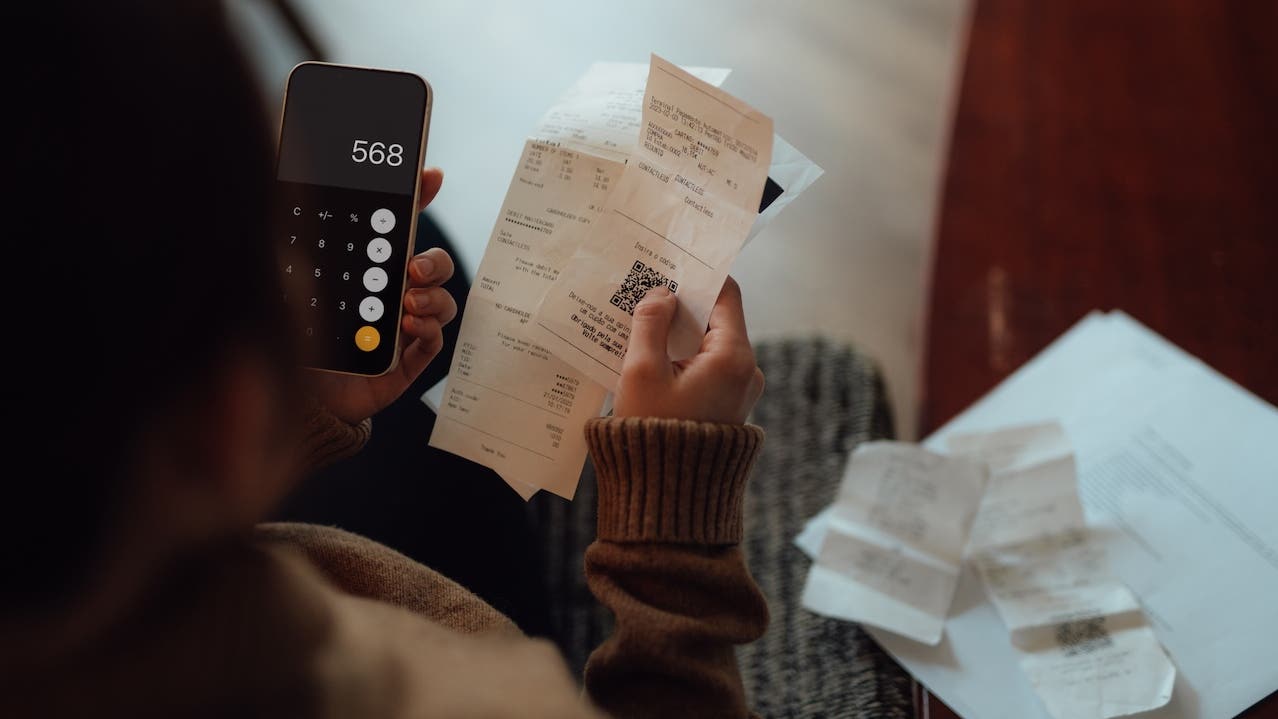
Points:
[(432, 180), (432, 267), (431, 302), (728, 313), (649, 332), (419, 353)]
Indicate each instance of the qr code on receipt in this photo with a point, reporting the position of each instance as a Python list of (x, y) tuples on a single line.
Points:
[(1083, 636), (638, 281)]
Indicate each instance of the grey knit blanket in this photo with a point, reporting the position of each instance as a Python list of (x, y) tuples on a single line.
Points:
[(821, 401)]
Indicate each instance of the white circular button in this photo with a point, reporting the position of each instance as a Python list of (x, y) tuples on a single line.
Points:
[(379, 249), (375, 279), (383, 221), (371, 309)]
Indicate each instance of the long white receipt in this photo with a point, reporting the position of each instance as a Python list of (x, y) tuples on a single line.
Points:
[(1083, 641)]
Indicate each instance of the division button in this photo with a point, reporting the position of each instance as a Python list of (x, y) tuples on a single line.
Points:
[(371, 309), (383, 221), (375, 279), (367, 338), (379, 250)]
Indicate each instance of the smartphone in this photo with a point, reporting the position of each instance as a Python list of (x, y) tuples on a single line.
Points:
[(352, 143)]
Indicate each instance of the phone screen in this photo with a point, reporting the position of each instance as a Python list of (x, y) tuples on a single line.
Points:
[(351, 148)]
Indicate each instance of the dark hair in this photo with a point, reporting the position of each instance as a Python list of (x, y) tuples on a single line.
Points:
[(138, 254)]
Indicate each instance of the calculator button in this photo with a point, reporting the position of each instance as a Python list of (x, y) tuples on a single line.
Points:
[(367, 338), (375, 279), (379, 250), (383, 221), (371, 309)]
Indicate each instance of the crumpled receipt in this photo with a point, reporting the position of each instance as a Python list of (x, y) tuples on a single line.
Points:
[(891, 551), (1084, 641)]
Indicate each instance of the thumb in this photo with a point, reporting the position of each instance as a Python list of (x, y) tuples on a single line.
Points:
[(649, 331)]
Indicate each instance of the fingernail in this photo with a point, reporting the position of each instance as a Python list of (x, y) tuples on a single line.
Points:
[(425, 266), (420, 303), (658, 292)]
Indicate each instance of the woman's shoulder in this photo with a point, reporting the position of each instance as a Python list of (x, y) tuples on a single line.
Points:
[(363, 568)]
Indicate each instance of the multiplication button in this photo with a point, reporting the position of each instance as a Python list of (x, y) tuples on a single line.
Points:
[(375, 279), (379, 250)]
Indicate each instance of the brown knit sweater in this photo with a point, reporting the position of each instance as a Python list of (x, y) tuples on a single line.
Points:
[(312, 621)]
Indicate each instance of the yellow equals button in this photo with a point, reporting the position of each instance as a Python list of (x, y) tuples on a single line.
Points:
[(367, 338)]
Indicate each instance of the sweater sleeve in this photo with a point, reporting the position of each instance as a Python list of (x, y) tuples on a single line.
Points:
[(668, 565), (327, 439)]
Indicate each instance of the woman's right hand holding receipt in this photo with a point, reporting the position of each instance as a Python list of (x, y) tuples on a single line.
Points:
[(671, 467)]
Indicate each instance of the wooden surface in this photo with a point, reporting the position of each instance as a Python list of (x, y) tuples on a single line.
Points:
[(1109, 155)]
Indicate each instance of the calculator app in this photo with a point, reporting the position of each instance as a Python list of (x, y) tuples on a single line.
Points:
[(351, 146)]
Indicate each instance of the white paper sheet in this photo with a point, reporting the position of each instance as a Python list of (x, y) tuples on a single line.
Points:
[(891, 551), (1178, 482), (679, 216)]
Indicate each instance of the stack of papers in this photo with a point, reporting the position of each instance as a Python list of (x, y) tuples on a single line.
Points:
[(641, 175), (1178, 478), (888, 553)]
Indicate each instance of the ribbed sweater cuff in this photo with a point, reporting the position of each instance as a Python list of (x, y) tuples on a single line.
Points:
[(669, 480), (327, 439)]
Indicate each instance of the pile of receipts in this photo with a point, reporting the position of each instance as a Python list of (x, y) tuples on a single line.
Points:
[(640, 176), (888, 553), (1093, 538)]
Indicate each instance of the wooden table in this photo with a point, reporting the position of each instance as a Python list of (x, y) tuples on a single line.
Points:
[(1109, 154)]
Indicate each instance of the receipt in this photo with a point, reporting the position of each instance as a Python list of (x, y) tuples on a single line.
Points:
[(602, 113), (1083, 640), (891, 550), (508, 403), (678, 217)]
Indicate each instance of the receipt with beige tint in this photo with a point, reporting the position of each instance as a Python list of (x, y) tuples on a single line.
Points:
[(509, 403), (678, 217)]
